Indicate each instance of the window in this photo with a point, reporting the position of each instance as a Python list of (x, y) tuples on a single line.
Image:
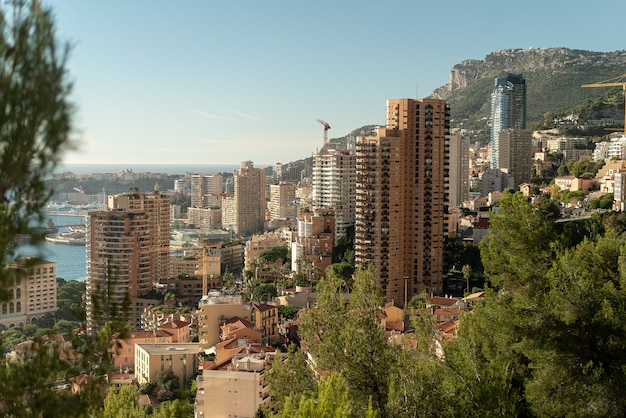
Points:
[(18, 293), (18, 307), (4, 309)]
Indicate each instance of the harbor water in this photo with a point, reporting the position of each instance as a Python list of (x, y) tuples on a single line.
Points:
[(71, 259)]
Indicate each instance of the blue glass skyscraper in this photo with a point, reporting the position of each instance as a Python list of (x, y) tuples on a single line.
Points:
[(508, 109)]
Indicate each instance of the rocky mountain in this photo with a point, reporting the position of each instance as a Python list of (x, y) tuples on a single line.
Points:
[(553, 79)]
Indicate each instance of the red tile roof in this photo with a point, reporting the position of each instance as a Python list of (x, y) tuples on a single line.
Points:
[(262, 307), (439, 301), (175, 324)]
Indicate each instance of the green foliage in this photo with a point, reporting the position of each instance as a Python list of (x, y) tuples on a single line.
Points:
[(177, 408), (146, 388), (123, 403), (418, 301), (557, 337), (344, 271), (65, 327), (584, 168), (167, 384), (331, 400), (35, 118), (27, 389), (347, 338), (574, 197), (291, 377), (70, 304), (228, 283), (415, 389), (603, 202), (518, 252), (301, 279), (580, 336), (112, 328), (457, 254), (264, 292), (551, 342), (278, 252), (288, 312)]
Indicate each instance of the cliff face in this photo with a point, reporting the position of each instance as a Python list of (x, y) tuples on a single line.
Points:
[(463, 73), (529, 61), (553, 78)]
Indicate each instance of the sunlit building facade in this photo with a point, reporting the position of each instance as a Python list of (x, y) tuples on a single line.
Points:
[(119, 266), (402, 198)]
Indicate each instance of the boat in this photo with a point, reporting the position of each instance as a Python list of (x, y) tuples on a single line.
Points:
[(67, 238)]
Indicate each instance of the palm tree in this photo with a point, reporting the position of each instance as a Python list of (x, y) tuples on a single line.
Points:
[(467, 273)]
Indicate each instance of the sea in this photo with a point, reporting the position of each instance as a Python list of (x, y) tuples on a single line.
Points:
[(71, 259), (171, 169)]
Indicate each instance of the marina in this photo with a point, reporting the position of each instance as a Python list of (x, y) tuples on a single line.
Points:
[(74, 236), (70, 259)]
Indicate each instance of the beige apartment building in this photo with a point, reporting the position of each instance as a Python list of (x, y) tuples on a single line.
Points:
[(235, 388), (515, 154), (265, 318), (157, 207), (244, 212), (123, 347), (205, 219), (232, 257), (119, 266), (213, 310), (206, 190), (459, 169), (312, 248), (402, 198), (180, 358), (32, 292), (282, 204), (257, 245)]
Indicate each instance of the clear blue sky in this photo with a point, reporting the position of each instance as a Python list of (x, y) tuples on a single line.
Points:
[(210, 82)]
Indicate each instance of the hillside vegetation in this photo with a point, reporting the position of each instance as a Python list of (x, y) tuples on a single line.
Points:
[(553, 77)]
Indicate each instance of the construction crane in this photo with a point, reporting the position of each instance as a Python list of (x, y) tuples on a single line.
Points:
[(326, 128), (619, 81)]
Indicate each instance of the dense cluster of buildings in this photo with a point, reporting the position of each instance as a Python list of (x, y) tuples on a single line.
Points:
[(396, 193)]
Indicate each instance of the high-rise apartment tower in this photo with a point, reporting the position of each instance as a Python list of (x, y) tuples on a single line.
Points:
[(508, 109), (157, 207), (515, 154), (119, 265), (333, 186), (244, 212), (402, 198), (459, 169), (206, 190)]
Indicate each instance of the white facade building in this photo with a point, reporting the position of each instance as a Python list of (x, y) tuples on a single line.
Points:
[(613, 149), (334, 185)]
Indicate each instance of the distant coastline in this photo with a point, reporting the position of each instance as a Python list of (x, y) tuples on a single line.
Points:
[(171, 169)]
